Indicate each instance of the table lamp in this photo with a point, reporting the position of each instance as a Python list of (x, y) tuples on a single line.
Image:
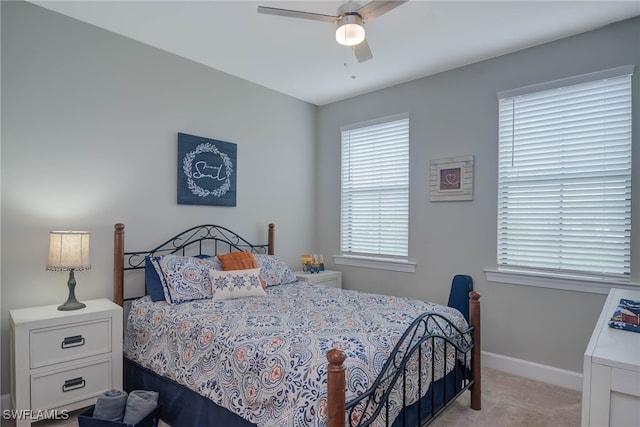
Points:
[(69, 250)]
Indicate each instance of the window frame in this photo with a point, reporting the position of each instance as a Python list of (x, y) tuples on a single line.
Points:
[(556, 279), (389, 261)]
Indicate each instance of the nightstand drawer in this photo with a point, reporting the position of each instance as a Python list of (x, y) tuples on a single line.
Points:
[(73, 341), (326, 278), (329, 282), (51, 390)]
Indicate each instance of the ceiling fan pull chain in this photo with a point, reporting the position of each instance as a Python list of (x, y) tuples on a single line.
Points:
[(348, 61)]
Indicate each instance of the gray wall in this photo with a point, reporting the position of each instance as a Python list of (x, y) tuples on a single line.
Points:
[(454, 114), (89, 138)]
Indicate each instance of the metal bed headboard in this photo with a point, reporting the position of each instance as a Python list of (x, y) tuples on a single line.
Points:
[(202, 239)]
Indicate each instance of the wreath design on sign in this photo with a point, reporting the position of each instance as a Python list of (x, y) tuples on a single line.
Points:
[(187, 167)]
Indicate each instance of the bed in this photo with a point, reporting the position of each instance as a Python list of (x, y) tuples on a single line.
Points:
[(297, 354)]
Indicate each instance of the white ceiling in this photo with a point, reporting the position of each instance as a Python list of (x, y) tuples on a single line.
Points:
[(301, 58)]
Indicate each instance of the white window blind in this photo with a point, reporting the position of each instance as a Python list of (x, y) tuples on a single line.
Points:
[(564, 181), (374, 213)]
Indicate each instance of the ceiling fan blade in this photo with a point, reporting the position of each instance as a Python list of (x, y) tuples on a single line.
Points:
[(297, 14), (362, 51), (373, 9)]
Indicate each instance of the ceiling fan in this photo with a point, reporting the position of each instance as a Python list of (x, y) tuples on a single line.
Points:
[(350, 20)]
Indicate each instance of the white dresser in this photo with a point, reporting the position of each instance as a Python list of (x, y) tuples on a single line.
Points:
[(327, 278), (63, 360), (611, 378)]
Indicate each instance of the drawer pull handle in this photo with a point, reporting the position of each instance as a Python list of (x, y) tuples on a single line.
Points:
[(73, 384), (74, 341)]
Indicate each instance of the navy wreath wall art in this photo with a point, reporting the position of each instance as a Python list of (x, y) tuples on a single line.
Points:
[(206, 171)]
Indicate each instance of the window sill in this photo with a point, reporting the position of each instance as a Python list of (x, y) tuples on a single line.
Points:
[(404, 266), (557, 281)]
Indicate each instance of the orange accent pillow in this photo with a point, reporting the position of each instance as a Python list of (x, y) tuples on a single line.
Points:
[(239, 261)]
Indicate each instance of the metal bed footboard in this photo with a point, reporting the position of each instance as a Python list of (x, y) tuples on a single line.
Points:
[(429, 337)]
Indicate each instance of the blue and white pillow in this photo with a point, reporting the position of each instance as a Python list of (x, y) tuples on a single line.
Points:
[(230, 284), (184, 278), (274, 270)]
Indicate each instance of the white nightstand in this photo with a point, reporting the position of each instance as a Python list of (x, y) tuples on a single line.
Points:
[(64, 359), (327, 277)]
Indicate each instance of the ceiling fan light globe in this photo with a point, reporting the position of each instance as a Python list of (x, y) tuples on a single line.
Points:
[(350, 34), (350, 31)]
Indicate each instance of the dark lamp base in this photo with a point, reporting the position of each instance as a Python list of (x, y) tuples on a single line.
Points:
[(72, 303)]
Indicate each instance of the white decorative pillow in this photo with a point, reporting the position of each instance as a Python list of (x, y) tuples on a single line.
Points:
[(231, 284)]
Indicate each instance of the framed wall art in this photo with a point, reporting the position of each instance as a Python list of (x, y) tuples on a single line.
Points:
[(451, 179), (206, 171)]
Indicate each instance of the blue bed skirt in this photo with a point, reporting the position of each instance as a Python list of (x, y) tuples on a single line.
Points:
[(182, 407), (438, 397)]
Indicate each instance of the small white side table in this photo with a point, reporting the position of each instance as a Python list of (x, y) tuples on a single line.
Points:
[(63, 360)]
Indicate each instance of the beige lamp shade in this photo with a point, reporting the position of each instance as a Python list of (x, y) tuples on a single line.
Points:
[(68, 250)]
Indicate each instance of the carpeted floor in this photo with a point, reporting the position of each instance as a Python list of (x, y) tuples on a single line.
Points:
[(507, 400)]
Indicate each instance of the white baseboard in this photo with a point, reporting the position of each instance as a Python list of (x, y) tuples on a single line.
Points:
[(532, 370)]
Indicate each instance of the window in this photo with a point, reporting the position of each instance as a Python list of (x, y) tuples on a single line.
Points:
[(564, 179), (374, 214)]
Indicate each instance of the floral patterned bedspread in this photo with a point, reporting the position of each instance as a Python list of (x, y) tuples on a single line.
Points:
[(264, 358)]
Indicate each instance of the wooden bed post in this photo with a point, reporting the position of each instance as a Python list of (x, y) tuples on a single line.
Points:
[(271, 249), (118, 264), (336, 388), (474, 317)]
